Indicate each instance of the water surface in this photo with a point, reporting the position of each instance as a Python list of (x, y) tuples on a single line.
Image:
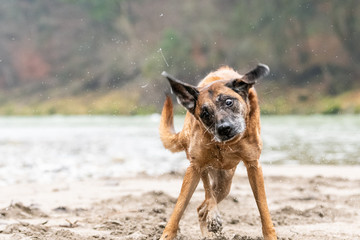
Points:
[(45, 149)]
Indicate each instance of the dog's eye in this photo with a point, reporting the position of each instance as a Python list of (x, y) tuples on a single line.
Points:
[(205, 114), (229, 102)]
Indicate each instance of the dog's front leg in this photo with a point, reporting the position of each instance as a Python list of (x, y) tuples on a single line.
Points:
[(190, 182), (256, 180)]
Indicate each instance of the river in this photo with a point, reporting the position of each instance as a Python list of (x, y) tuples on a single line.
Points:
[(66, 148)]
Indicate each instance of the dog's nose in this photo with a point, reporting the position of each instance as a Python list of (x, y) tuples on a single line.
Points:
[(224, 129)]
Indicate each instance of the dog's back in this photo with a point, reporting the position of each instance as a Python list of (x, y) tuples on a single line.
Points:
[(222, 73)]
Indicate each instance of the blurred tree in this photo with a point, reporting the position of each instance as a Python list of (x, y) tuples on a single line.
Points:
[(101, 12), (176, 53), (346, 20), (74, 47)]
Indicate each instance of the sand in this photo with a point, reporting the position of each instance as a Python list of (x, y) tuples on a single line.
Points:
[(306, 202)]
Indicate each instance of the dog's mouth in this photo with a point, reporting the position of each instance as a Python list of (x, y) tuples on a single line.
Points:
[(225, 138), (231, 134)]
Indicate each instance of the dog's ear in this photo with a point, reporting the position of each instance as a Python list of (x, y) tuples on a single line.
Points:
[(260, 71), (186, 94), (244, 83)]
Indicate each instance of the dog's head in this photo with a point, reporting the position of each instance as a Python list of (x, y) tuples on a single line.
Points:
[(222, 105)]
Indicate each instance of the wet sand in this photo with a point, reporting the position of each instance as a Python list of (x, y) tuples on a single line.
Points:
[(305, 202)]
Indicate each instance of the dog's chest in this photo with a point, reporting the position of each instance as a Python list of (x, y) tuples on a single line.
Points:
[(227, 159), (214, 156)]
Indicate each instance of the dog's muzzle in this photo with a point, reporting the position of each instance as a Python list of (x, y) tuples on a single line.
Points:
[(225, 131)]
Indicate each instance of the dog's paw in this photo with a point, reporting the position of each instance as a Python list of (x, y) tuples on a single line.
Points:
[(214, 222), (209, 219), (168, 235), (272, 237), (269, 233)]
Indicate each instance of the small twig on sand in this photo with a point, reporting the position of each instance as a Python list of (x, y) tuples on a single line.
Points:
[(71, 225), (45, 222), (25, 224)]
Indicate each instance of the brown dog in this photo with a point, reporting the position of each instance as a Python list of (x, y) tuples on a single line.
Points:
[(221, 128)]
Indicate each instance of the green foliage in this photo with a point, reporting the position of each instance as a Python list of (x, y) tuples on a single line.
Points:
[(173, 54), (176, 53), (100, 11), (332, 109), (357, 109)]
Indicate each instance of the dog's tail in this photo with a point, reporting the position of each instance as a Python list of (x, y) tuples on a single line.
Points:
[(169, 138)]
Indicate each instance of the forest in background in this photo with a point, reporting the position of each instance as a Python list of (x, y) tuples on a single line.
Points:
[(106, 57)]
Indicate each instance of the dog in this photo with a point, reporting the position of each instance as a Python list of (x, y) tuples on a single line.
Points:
[(221, 128)]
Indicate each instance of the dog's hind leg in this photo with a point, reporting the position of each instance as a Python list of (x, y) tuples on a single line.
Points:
[(222, 180), (209, 216)]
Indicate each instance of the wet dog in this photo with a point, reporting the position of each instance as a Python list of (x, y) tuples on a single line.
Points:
[(221, 128)]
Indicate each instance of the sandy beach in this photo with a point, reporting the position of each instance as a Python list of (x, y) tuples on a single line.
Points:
[(306, 202)]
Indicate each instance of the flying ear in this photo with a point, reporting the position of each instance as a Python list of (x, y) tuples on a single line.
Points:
[(260, 71), (244, 83), (186, 94)]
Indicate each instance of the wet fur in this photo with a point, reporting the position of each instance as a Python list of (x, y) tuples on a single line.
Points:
[(211, 160)]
